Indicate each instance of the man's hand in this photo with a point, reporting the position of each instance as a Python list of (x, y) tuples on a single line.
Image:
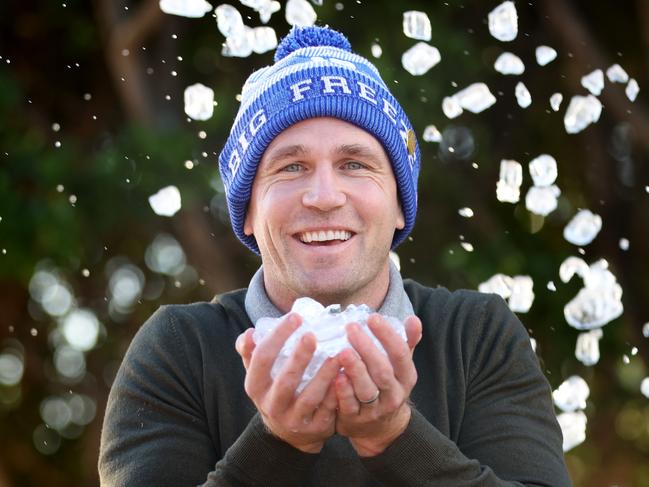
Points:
[(307, 420), (372, 425)]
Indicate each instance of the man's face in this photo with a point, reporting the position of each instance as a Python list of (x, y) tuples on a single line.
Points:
[(324, 209)]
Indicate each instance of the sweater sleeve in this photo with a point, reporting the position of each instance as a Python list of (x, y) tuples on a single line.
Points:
[(155, 429), (509, 434)]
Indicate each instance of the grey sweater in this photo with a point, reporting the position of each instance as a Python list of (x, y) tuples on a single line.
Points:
[(178, 414)]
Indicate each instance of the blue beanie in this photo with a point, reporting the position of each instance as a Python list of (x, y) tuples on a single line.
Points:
[(315, 74)]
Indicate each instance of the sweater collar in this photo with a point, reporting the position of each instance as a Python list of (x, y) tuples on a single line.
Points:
[(258, 304)]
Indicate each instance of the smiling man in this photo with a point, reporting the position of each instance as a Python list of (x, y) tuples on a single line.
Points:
[(320, 171)]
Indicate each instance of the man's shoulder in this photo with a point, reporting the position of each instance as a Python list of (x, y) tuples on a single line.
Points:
[(422, 296)]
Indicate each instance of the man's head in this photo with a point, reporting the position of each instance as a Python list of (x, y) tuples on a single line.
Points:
[(316, 75)]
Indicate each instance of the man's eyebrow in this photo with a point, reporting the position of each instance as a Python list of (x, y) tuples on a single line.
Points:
[(286, 152), (357, 150)]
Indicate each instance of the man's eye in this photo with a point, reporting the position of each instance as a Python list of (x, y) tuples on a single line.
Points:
[(295, 167), (354, 165)]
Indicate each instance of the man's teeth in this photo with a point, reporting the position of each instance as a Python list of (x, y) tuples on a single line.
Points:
[(325, 235)]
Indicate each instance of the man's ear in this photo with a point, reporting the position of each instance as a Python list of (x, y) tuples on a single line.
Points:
[(247, 223), (401, 220)]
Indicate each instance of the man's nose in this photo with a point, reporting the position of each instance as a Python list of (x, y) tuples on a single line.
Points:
[(325, 191)]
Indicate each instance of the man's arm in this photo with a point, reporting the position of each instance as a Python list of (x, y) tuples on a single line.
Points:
[(509, 434), (155, 428)]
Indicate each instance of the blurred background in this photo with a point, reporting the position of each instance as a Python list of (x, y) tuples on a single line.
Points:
[(92, 124)]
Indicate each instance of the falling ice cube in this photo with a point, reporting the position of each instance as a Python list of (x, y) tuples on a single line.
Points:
[(583, 228), (555, 101), (509, 185), (523, 96), (420, 58), (587, 348), (466, 212), (545, 55), (571, 394), (264, 39), (542, 200), (508, 63), (431, 134), (416, 25), (624, 244), (573, 429), (543, 170), (499, 284), (581, 112), (266, 10), (571, 266), (396, 260), (594, 82), (199, 102), (503, 22), (644, 387), (376, 50), (228, 20), (239, 45), (451, 107), (185, 8), (300, 13), (550, 286), (166, 202), (522, 295), (632, 89), (645, 330), (475, 98), (616, 74)]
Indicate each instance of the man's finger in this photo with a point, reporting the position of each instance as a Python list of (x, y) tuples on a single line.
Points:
[(413, 328), (348, 405), (312, 398), (398, 351), (258, 377), (356, 369), (282, 392), (245, 346)]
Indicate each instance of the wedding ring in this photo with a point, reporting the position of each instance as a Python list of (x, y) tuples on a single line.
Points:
[(373, 399)]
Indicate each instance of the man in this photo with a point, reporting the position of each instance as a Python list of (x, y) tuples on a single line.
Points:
[(320, 171)]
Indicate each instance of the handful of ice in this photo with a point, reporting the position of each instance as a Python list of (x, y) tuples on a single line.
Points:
[(328, 325)]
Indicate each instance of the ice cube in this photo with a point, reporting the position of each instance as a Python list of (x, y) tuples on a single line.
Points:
[(199, 102), (508, 63), (376, 50), (632, 89), (551, 287), (394, 257), (522, 295), (503, 22), (594, 308), (644, 387), (499, 284), (571, 266), (264, 39), (267, 9), (228, 20), (239, 45), (451, 107), (509, 184), (543, 170), (431, 134), (475, 98), (594, 82), (542, 200), (533, 344), (571, 394), (645, 330), (624, 244), (587, 348), (616, 74), (555, 101), (583, 228), (328, 326), (416, 25), (166, 202), (573, 429), (545, 55), (185, 8), (420, 58), (300, 13), (466, 212), (581, 112), (523, 96)]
